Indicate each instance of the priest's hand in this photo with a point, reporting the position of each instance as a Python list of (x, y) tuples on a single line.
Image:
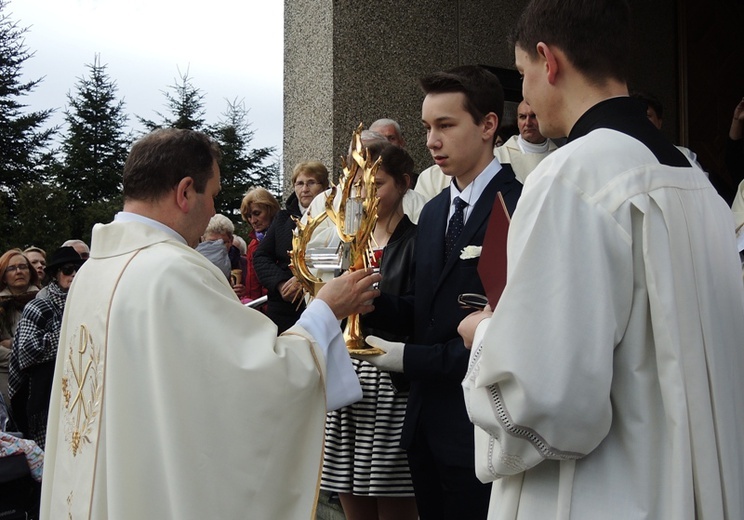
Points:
[(467, 326), (390, 361), (351, 293)]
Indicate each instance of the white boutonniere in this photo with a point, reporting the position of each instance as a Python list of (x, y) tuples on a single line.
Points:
[(469, 252)]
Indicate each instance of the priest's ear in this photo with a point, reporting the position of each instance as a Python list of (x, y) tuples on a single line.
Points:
[(185, 193)]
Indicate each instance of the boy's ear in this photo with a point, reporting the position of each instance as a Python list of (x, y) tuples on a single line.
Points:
[(490, 125), (551, 61)]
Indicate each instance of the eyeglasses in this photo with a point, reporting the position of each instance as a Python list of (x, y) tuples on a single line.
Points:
[(14, 268), (309, 184), (69, 269)]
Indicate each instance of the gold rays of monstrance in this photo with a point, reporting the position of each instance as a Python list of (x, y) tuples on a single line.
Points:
[(354, 219)]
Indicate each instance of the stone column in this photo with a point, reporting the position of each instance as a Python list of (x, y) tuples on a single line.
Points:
[(348, 62)]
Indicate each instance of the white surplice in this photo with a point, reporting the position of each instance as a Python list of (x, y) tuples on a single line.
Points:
[(607, 383), (522, 161), (171, 400)]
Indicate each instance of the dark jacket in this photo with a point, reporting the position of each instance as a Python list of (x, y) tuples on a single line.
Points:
[(435, 358), (271, 263), (396, 268)]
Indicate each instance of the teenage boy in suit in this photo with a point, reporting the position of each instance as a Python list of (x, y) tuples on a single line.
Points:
[(461, 113)]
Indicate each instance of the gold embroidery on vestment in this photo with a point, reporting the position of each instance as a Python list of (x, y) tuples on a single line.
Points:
[(83, 371)]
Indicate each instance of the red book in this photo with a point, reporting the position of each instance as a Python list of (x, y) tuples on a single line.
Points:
[(492, 263)]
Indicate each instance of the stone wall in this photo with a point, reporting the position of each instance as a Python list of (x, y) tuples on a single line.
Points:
[(350, 62)]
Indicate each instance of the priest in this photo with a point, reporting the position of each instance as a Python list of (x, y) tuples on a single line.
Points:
[(170, 398)]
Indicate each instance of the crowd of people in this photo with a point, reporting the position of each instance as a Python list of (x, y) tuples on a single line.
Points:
[(32, 301), (185, 373)]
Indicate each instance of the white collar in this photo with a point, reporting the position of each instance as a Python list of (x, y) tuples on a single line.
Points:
[(474, 190), (127, 216), (528, 147)]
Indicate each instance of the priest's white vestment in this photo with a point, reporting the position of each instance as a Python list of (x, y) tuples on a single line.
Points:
[(171, 400), (608, 382)]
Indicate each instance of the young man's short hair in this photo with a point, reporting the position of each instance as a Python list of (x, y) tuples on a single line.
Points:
[(595, 35), (482, 89), (158, 161)]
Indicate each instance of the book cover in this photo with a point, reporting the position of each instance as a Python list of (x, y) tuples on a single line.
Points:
[(492, 263)]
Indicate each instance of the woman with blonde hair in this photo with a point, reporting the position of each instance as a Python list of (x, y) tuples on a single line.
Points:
[(18, 285), (271, 261), (258, 209), (37, 257)]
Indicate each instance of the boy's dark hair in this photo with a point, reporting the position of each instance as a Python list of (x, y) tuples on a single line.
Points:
[(158, 161), (595, 35), (482, 89)]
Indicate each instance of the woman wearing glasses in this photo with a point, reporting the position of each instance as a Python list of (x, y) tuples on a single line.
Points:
[(271, 260), (35, 347), (19, 283)]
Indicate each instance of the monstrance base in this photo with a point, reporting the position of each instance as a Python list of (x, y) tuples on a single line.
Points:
[(369, 351)]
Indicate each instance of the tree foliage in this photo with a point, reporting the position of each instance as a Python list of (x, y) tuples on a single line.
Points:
[(185, 105), (22, 135), (49, 195), (94, 149), (241, 167), (44, 216)]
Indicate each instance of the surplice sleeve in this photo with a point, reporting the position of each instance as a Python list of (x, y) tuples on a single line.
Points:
[(538, 383)]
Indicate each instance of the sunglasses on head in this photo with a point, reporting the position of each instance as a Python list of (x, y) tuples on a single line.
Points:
[(68, 269)]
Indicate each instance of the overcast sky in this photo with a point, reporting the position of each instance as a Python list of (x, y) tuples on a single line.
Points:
[(231, 50)]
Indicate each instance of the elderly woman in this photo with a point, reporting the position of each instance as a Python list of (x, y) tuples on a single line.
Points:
[(258, 209), (216, 242), (35, 347), (271, 260), (18, 284)]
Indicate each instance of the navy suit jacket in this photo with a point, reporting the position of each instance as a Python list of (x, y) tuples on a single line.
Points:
[(435, 358)]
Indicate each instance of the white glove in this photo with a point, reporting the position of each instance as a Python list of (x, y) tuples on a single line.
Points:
[(390, 361)]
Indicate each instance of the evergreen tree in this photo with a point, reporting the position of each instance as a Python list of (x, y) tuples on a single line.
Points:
[(94, 147), (241, 167), (43, 217), (186, 107), (23, 139)]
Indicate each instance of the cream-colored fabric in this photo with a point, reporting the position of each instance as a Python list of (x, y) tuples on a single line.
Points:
[(692, 157), (171, 399), (608, 382), (738, 206), (522, 163), (431, 182)]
